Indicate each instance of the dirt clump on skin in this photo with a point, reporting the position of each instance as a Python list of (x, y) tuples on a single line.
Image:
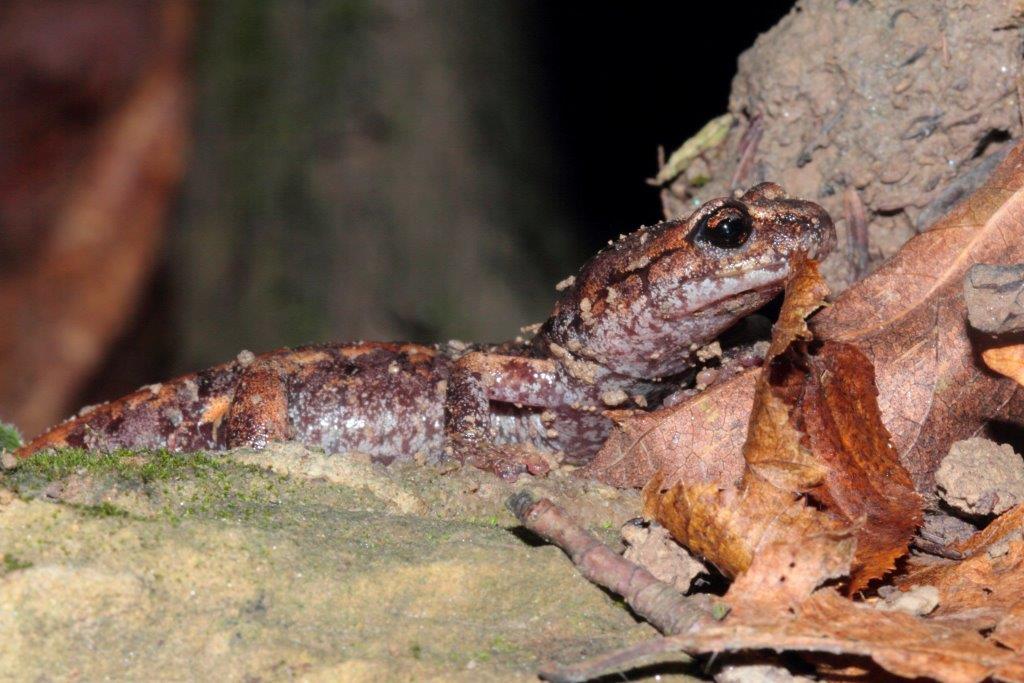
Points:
[(289, 563)]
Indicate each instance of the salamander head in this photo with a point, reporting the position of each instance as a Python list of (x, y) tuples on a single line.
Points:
[(640, 305)]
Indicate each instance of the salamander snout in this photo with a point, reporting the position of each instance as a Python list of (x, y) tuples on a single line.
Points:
[(819, 233), (794, 224)]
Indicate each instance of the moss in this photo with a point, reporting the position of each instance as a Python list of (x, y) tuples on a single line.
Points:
[(502, 645), (144, 466), (10, 438), (12, 563), (104, 509), (145, 484)]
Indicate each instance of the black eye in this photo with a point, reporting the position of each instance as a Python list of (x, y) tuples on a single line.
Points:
[(727, 228)]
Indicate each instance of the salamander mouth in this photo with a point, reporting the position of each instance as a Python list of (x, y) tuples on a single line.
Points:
[(772, 282), (751, 299)]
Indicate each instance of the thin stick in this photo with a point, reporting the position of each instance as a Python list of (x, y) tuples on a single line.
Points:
[(657, 602), (747, 149), (857, 232), (647, 653)]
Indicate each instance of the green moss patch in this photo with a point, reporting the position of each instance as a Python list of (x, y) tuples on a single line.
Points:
[(10, 437), (144, 466)]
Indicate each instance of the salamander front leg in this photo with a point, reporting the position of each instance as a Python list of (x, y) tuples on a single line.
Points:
[(476, 380), (259, 410)]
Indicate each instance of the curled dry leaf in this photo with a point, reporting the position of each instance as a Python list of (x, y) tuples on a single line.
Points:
[(814, 429), (864, 481), (775, 449), (728, 522), (976, 594), (826, 622), (777, 605), (731, 525), (1006, 360), (908, 318)]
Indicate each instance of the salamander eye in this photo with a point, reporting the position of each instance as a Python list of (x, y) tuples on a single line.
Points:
[(729, 227)]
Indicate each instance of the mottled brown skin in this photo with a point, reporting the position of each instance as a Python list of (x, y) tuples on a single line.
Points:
[(621, 333)]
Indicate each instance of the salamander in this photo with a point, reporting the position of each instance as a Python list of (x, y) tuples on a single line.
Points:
[(623, 331)]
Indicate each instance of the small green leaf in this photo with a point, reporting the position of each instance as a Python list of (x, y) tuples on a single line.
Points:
[(10, 438), (710, 136)]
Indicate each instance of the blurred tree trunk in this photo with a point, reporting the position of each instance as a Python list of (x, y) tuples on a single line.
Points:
[(92, 138), (362, 171)]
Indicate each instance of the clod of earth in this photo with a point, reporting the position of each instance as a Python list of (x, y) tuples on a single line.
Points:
[(994, 296)]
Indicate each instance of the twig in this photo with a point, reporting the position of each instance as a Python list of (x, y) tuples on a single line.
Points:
[(747, 150), (657, 602), (647, 653), (857, 232), (928, 543)]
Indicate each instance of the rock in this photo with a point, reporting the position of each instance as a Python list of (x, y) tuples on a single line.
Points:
[(757, 673), (290, 564), (651, 547), (995, 298), (980, 477), (919, 601)]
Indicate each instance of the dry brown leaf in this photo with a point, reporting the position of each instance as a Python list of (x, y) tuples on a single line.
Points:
[(703, 435), (864, 481), (771, 610), (1009, 631), (730, 526), (775, 449), (907, 318), (826, 622), (784, 575), (727, 523), (999, 529), (814, 428), (984, 587)]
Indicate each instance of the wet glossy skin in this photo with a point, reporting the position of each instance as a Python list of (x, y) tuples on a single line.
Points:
[(627, 324)]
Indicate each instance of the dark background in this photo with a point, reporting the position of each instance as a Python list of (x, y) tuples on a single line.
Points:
[(634, 76)]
